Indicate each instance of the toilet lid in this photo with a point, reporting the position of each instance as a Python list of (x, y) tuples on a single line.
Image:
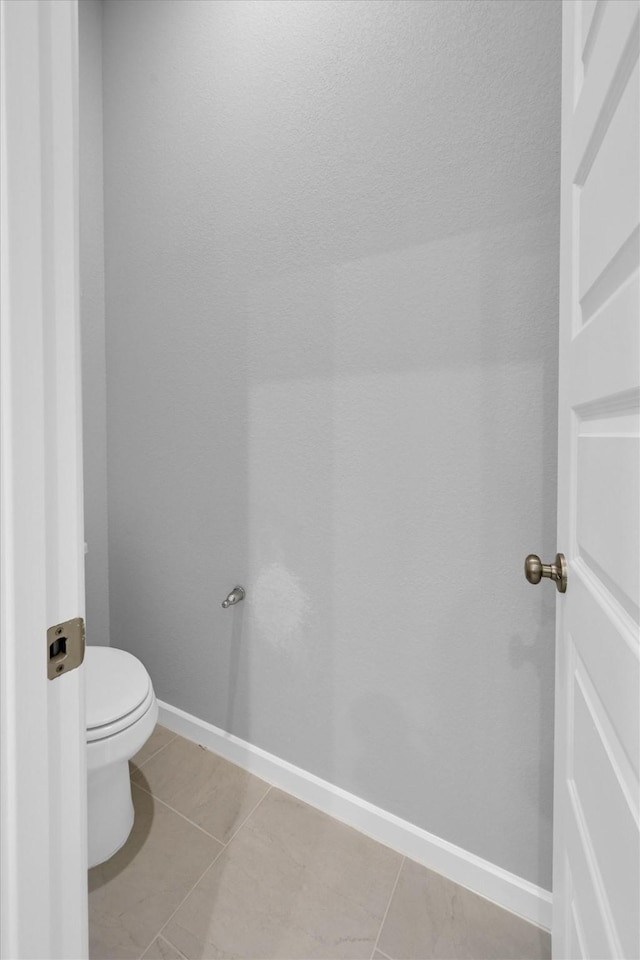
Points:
[(116, 683)]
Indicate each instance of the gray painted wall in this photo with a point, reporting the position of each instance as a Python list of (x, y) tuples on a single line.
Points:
[(92, 321), (331, 266)]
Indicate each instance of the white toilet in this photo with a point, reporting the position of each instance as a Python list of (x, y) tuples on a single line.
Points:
[(121, 710)]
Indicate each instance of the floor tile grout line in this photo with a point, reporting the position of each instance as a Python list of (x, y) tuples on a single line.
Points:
[(224, 843), (160, 932), (224, 846), (177, 812), (393, 890), (155, 753), (159, 936), (182, 955), (249, 815)]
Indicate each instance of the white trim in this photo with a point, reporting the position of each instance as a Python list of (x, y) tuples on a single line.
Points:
[(504, 888), (43, 882)]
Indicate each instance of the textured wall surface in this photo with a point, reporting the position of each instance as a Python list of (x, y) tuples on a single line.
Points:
[(331, 262), (92, 311)]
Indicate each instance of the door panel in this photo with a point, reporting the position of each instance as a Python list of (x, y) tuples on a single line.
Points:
[(597, 812), (586, 901), (607, 512), (608, 205), (601, 370), (607, 649), (600, 785), (590, 23)]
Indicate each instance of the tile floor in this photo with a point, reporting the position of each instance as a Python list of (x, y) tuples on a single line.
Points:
[(221, 865)]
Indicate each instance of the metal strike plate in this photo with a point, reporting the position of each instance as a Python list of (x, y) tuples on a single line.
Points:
[(65, 647)]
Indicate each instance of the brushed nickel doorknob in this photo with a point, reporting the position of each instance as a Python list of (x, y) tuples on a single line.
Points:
[(535, 570)]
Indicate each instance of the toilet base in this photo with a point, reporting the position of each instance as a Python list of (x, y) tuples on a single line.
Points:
[(109, 810)]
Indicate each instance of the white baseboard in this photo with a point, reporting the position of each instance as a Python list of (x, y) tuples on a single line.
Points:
[(484, 878)]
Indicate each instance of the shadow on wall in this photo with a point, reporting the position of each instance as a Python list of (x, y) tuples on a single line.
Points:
[(332, 307), (538, 785)]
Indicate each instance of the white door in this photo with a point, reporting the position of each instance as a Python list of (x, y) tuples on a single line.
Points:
[(43, 895), (596, 893)]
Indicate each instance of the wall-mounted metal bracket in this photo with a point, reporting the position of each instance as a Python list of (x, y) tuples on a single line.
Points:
[(236, 595)]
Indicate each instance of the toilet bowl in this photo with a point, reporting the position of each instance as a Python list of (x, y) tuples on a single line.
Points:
[(121, 712)]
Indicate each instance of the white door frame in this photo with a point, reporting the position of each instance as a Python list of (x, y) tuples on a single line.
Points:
[(43, 889)]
